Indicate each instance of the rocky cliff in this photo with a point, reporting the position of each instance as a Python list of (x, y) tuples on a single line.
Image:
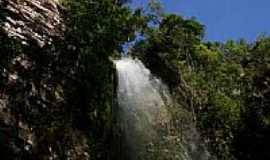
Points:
[(55, 99), (31, 21), (26, 27)]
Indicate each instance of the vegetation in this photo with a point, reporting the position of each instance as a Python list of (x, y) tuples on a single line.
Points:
[(225, 85), (59, 99)]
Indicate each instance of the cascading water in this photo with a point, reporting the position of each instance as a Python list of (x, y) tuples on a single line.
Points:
[(146, 118)]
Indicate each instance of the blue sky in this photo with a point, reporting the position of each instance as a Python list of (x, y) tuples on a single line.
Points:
[(224, 19)]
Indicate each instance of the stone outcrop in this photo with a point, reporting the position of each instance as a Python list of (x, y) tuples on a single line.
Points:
[(32, 21)]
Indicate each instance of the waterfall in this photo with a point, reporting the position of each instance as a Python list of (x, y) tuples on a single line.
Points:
[(146, 118)]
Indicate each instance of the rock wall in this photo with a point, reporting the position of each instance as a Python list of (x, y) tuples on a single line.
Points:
[(31, 23), (35, 21)]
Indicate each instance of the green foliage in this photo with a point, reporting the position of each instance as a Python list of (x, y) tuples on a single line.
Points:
[(225, 85)]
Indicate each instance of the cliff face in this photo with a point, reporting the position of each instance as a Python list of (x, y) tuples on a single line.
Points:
[(25, 27), (31, 21), (46, 110)]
